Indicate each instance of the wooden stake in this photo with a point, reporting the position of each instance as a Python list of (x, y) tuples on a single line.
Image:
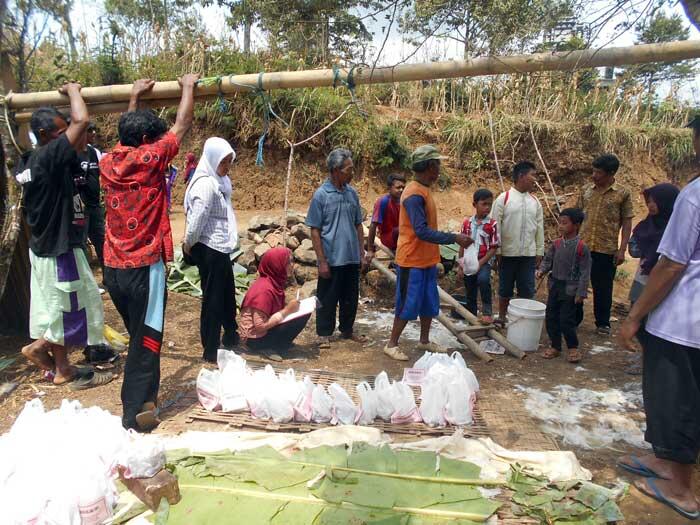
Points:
[(570, 60)]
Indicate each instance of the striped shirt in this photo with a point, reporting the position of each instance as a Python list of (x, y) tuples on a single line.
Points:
[(207, 218)]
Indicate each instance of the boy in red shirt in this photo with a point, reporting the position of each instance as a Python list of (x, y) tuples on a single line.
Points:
[(138, 241), (385, 217), (484, 231)]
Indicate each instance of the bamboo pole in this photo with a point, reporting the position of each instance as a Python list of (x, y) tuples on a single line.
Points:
[(494, 65), (461, 336), (471, 318)]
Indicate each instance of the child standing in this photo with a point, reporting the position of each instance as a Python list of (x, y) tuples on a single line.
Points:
[(484, 231), (569, 261)]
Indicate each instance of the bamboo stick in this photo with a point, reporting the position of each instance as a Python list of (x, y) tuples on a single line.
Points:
[(442, 318), (471, 319), (569, 60)]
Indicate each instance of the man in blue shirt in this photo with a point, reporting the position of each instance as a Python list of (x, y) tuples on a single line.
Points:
[(335, 219)]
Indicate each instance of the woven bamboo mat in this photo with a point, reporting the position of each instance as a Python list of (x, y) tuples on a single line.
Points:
[(236, 421)]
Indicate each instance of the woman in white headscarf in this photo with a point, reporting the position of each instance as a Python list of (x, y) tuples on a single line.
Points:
[(211, 235)]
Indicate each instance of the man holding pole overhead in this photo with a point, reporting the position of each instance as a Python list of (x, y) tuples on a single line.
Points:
[(138, 241)]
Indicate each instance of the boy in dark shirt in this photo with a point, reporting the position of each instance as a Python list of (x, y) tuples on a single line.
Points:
[(569, 261), (89, 158)]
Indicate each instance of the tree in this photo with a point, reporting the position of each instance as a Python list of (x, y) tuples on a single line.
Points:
[(242, 13), (486, 26), (662, 28)]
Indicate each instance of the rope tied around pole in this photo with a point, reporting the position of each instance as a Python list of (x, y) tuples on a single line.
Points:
[(3, 101)]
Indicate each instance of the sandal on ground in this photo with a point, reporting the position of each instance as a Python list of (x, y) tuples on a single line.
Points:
[(147, 420), (432, 347), (638, 468), (272, 356), (356, 338), (324, 342), (395, 353), (656, 494), (90, 380), (551, 353), (574, 356)]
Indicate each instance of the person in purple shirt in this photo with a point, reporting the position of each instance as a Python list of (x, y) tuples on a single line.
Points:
[(671, 344)]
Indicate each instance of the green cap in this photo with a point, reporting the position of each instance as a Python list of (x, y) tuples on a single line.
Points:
[(427, 152)]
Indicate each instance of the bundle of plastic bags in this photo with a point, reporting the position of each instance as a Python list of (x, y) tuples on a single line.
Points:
[(58, 467), (449, 390)]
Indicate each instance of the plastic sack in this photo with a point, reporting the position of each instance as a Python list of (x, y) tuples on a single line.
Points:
[(433, 401), (303, 407), (281, 396), (225, 357), (470, 260), (233, 382), (429, 359), (405, 409), (344, 409), (368, 404), (257, 389), (382, 389), (143, 458), (460, 401), (321, 405), (208, 388), (466, 371)]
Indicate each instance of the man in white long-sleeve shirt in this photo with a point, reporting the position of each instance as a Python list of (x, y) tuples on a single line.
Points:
[(521, 223)]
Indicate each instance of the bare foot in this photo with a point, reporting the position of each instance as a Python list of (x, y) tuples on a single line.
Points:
[(38, 353), (659, 466), (65, 376)]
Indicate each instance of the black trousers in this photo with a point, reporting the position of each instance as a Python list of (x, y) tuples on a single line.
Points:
[(343, 290), (139, 294), (671, 389), (602, 278), (562, 316), (281, 337), (95, 224), (218, 299)]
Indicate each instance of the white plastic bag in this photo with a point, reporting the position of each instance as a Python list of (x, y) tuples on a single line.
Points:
[(433, 401), (232, 383), (303, 407), (143, 458), (467, 372), (405, 409), (344, 409), (382, 389), (321, 405), (257, 390), (281, 396), (460, 401), (225, 357), (470, 260), (368, 404), (208, 388)]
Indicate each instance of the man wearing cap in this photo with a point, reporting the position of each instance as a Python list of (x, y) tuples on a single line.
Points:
[(418, 253)]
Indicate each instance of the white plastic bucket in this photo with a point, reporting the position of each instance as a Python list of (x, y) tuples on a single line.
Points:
[(525, 322)]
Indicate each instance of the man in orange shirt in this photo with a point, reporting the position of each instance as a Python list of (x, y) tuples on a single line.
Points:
[(418, 253)]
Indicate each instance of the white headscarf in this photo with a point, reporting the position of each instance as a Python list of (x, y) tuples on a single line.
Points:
[(215, 150)]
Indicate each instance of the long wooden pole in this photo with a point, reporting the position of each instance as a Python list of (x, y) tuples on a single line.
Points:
[(494, 65), (461, 336), (471, 318)]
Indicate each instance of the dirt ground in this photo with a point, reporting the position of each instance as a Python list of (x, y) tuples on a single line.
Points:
[(181, 361)]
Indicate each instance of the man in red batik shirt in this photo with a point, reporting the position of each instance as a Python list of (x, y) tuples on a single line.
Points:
[(138, 241)]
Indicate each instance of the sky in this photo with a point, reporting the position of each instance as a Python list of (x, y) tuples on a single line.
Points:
[(86, 15)]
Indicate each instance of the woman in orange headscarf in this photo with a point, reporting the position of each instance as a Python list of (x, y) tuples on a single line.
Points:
[(261, 323)]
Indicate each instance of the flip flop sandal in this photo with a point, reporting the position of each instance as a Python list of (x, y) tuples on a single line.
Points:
[(356, 338), (90, 380), (639, 468), (395, 353), (273, 356), (574, 356), (658, 496), (324, 343), (551, 353)]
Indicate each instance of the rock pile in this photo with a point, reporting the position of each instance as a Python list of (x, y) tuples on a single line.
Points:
[(265, 232)]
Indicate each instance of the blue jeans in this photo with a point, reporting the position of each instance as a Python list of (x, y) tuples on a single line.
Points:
[(480, 282)]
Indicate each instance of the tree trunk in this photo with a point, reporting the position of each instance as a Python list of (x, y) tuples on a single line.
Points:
[(65, 14), (247, 26)]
